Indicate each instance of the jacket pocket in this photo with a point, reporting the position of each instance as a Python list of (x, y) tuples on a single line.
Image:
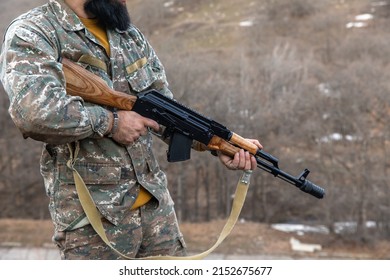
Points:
[(103, 182), (140, 75), (92, 173)]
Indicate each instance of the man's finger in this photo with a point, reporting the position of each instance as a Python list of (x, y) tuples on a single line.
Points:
[(149, 123)]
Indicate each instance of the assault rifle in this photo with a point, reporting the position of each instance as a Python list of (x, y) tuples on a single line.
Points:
[(183, 125)]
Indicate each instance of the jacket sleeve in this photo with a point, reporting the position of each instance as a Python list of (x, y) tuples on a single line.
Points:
[(33, 79)]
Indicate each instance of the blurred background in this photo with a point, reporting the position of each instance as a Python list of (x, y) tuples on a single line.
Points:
[(309, 79)]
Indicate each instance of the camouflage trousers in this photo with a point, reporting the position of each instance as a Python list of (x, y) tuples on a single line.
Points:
[(150, 230)]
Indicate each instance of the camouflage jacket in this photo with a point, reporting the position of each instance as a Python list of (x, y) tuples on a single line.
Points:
[(39, 106)]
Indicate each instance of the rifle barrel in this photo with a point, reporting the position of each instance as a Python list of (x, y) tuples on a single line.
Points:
[(301, 182)]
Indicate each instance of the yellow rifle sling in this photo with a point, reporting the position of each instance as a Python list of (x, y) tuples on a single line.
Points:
[(94, 216)]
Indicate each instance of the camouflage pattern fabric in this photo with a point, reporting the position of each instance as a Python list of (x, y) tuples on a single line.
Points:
[(146, 231), (33, 79)]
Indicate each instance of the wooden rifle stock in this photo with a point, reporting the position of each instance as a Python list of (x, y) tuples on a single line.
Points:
[(91, 88)]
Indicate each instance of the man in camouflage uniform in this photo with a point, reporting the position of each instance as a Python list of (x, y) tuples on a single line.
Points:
[(115, 156)]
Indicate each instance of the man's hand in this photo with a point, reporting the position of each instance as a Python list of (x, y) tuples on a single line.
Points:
[(242, 160), (131, 126)]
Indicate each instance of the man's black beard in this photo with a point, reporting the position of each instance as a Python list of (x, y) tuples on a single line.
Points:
[(111, 13)]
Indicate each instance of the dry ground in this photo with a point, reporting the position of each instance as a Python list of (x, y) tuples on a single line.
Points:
[(245, 239)]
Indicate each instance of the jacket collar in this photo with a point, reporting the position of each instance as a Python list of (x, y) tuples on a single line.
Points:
[(66, 16)]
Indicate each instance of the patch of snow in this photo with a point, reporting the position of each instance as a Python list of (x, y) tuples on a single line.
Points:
[(379, 4), (169, 4), (300, 229), (356, 25), (325, 89), (297, 245), (339, 228), (246, 23), (338, 137), (364, 17), (351, 227)]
